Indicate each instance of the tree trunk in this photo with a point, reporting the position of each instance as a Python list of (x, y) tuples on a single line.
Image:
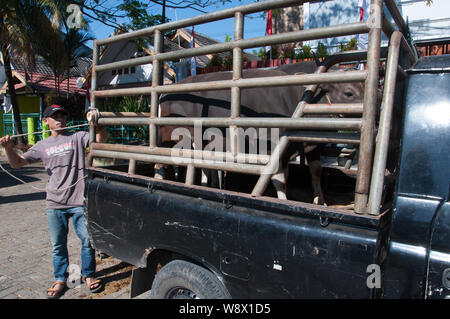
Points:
[(13, 96)]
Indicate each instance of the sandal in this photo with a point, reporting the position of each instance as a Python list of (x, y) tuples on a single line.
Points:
[(56, 293), (95, 285)]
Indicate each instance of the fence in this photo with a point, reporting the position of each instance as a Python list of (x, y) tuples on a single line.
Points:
[(116, 133), (369, 178)]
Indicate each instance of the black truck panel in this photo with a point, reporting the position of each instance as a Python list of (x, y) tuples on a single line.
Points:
[(266, 248), (265, 251), (423, 185)]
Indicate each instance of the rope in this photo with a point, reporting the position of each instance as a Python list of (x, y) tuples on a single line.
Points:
[(58, 129), (43, 189)]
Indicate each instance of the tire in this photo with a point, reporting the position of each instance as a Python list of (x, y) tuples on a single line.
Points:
[(180, 279)]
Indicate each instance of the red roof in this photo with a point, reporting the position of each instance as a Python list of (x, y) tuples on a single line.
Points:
[(44, 83)]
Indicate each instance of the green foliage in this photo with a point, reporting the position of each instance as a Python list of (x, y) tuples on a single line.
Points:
[(288, 52), (304, 53), (322, 51), (136, 11), (350, 45), (122, 133), (260, 53)]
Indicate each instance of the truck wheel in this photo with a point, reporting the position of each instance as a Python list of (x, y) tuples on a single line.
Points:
[(180, 279)]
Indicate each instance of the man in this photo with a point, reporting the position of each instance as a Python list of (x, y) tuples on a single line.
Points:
[(63, 155)]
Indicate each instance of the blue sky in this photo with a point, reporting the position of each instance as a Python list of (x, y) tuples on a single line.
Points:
[(254, 24)]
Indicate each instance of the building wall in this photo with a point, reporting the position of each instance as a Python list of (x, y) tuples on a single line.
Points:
[(28, 104), (426, 22)]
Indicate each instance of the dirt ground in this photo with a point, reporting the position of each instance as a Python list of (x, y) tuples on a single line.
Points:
[(116, 276)]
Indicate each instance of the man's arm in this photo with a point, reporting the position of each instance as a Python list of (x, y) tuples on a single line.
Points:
[(14, 159)]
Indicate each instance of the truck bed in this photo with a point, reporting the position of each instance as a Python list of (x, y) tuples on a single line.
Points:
[(132, 216)]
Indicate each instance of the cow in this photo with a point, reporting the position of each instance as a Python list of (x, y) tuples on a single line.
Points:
[(257, 102)]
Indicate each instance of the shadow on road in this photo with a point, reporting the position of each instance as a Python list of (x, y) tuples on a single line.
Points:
[(22, 198), (24, 173)]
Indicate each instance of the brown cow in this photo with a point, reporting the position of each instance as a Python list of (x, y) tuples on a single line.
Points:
[(256, 102)]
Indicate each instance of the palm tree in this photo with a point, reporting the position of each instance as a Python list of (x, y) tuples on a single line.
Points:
[(75, 44), (21, 23)]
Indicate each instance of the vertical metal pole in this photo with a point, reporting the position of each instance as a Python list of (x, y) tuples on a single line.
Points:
[(369, 111), (92, 106), (190, 174), (132, 166), (384, 129), (156, 81), (237, 74)]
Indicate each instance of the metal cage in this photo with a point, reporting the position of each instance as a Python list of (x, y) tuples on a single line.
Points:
[(372, 157)]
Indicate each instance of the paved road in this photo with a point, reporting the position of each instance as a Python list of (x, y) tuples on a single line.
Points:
[(26, 269)]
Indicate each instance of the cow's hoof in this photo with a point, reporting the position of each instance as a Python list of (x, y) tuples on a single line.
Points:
[(318, 201)]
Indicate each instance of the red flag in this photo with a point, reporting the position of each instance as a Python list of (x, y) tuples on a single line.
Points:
[(269, 23), (269, 31)]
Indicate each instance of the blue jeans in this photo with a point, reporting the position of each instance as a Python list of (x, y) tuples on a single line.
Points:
[(58, 223)]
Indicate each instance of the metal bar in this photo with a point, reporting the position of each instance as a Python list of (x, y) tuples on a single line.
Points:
[(295, 36), (179, 161), (186, 153), (235, 108), (156, 79), (125, 114), (289, 123), (337, 108), (369, 112), (302, 79), (132, 166), (388, 28), (92, 106), (190, 174), (324, 137), (356, 108), (396, 15), (209, 17), (382, 145)]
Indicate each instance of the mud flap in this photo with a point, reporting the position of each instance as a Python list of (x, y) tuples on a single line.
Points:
[(141, 281)]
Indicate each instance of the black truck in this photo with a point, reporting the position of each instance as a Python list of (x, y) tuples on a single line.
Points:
[(191, 241)]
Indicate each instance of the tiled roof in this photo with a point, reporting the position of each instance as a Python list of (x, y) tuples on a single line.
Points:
[(40, 79), (41, 67), (44, 83)]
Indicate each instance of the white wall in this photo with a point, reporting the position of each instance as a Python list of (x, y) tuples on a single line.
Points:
[(330, 13), (426, 22)]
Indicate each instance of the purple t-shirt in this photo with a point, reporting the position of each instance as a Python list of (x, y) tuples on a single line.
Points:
[(63, 158)]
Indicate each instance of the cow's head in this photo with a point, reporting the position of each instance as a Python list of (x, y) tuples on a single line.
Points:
[(344, 92)]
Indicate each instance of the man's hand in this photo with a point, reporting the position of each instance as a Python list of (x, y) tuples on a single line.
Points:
[(6, 142), (14, 159)]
